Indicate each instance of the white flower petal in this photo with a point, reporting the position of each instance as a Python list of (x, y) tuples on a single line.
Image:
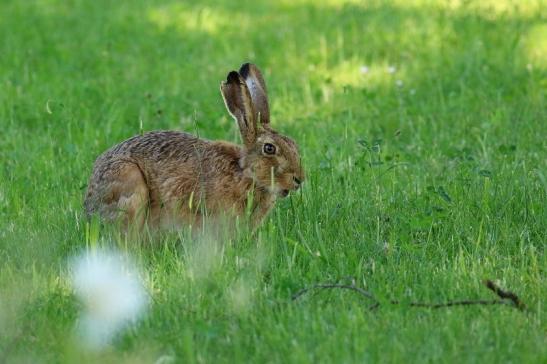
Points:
[(112, 294)]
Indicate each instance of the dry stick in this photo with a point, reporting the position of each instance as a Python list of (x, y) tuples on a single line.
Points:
[(504, 295)]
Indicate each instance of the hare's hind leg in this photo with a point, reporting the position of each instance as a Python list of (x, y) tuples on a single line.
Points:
[(118, 191)]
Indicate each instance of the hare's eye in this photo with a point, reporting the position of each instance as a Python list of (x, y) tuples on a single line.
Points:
[(269, 149)]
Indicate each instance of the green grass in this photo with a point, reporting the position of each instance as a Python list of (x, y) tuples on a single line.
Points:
[(421, 182)]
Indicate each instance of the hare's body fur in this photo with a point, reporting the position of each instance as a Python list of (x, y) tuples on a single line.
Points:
[(170, 178), (166, 176)]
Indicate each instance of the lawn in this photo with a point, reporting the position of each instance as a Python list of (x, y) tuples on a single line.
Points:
[(422, 127)]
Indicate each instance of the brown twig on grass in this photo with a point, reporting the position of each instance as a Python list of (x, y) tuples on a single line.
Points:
[(505, 294), (506, 297)]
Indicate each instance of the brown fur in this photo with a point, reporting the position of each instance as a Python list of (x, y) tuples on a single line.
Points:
[(167, 178)]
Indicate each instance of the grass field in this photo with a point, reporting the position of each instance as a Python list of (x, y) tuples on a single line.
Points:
[(423, 129)]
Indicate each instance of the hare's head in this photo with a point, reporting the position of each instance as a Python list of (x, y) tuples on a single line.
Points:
[(271, 159)]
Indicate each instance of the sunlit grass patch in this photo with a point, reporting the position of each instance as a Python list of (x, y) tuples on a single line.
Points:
[(206, 19), (535, 44), (334, 4), (357, 73), (491, 9)]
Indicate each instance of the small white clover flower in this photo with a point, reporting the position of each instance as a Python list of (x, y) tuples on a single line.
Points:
[(399, 83), (391, 69), (112, 293), (363, 69)]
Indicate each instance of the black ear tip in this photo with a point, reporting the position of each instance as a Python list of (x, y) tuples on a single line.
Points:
[(245, 69), (233, 76)]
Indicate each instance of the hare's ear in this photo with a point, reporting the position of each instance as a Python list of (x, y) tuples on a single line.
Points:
[(257, 87), (240, 105)]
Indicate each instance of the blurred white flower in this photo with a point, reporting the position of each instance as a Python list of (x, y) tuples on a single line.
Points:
[(363, 70), (112, 293), (412, 91), (391, 69), (399, 83)]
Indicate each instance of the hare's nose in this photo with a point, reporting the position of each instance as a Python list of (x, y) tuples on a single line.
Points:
[(297, 181)]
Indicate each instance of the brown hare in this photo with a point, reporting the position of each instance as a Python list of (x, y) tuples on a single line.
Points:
[(171, 178)]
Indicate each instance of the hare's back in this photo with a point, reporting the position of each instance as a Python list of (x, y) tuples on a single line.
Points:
[(158, 146), (158, 155)]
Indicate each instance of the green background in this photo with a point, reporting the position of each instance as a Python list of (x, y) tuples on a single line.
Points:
[(422, 126)]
